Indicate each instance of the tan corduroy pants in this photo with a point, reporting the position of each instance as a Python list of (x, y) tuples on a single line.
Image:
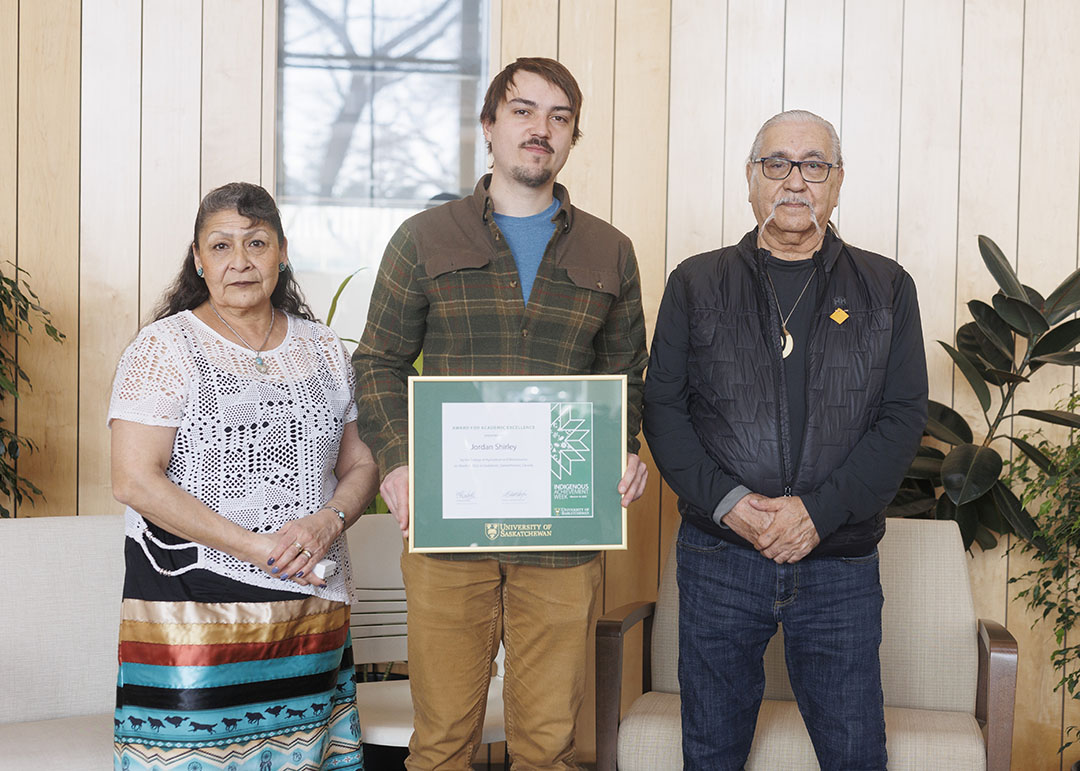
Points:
[(458, 612)]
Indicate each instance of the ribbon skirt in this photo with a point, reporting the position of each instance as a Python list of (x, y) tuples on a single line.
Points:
[(250, 683)]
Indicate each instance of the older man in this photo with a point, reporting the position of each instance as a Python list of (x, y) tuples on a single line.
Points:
[(512, 280), (785, 397)]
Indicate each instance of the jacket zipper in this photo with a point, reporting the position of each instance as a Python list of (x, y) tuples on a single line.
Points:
[(819, 264), (781, 395)]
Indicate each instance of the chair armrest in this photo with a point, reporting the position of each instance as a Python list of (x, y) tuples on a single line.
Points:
[(611, 628), (995, 698)]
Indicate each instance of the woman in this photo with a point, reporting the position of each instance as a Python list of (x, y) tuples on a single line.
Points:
[(234, 447)]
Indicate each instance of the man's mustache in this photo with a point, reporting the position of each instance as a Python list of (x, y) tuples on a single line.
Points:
[(539, 142), (797, 199), (793, 199)]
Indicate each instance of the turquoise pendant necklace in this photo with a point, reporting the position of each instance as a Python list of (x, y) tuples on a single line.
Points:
[(261, 366)]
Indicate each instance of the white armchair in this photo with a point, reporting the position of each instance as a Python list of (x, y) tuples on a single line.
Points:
[(949, 680)]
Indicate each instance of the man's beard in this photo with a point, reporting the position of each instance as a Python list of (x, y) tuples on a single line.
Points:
[(530, 177), (792, 199)]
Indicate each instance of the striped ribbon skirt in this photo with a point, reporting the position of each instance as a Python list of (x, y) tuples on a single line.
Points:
[(234, 685)]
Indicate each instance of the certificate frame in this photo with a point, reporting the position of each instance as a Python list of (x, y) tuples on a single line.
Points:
[(482, 479)]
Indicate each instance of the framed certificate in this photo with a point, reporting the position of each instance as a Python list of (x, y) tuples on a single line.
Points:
[(516, 463)]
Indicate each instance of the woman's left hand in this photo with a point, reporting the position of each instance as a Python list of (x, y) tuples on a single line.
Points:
[(311, 535)]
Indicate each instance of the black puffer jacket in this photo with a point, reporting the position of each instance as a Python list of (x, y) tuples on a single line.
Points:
[(716, 414)]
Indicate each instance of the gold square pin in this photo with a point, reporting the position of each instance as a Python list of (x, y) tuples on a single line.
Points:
[(839, 315)]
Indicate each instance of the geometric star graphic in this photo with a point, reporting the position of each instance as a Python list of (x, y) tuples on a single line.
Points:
[(568, 437)]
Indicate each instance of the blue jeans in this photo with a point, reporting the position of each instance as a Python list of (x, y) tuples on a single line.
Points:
[(730, 601)]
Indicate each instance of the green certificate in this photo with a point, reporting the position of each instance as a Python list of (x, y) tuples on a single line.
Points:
[(516, 463)]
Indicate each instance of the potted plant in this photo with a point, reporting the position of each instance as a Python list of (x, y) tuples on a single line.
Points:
[(1016, 333), (19, 311), (1051, 484)]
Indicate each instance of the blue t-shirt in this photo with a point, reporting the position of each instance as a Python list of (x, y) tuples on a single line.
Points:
[(527, 238)]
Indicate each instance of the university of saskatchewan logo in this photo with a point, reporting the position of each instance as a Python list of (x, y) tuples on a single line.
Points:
[(491, 530)]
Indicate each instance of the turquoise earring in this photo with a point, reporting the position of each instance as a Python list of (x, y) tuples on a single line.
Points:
[(281, 267), (198, 272)]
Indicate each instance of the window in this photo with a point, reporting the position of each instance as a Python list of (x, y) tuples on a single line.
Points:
[(378, 105)]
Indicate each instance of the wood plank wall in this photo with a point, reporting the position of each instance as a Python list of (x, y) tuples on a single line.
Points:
[(958, 117), (115, 117)]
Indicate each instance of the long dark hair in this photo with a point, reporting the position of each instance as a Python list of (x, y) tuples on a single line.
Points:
[(188, 290)]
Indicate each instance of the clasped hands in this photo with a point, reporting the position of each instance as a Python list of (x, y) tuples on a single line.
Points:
[(779, 528), (293, 551)]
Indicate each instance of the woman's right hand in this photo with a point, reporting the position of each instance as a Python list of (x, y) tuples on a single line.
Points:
[(259, 551)]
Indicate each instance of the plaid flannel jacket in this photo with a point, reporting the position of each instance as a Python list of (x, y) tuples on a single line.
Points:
[(448, 285)]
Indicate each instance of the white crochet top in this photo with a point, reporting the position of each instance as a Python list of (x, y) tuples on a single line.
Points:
[(259, 449)]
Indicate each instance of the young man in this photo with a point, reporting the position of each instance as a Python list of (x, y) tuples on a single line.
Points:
[(512, 280)]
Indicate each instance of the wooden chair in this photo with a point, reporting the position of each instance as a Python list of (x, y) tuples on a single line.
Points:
[(949, 680)]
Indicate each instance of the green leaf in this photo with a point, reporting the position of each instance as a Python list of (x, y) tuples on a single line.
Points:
[(1022, 523), (965, 516), (994, 327), (971, 340), (939, 431), (1061, 338), (969, 471), (1057, 417), (909, 503), (924, 468), (1000, 269), (1067, 359), (1036, 455), (1020, 315), (1065, 300), (985, 538), (998, 377), (947, 424), (972, 374), (1034, 299), (337, 294), (926, 451), (990, 517)]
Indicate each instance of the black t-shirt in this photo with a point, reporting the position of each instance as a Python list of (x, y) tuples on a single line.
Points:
[(789, 278)]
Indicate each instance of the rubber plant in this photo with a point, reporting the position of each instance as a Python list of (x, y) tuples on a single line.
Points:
[(20, 310), (1015, 334), (1050, 481)]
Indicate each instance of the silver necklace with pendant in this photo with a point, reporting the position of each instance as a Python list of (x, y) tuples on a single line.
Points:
[(786, 340), (261, 366)]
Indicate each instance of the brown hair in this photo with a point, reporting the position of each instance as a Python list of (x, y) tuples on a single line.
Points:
[(550, 70), (188, 290)]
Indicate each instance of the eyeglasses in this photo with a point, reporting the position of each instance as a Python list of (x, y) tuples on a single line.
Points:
[(779, 168)]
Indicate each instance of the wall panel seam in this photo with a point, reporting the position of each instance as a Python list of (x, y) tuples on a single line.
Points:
[(142, 84), (900, 131), (78, 271), (959, 184), (614, 85), (262, 91)]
